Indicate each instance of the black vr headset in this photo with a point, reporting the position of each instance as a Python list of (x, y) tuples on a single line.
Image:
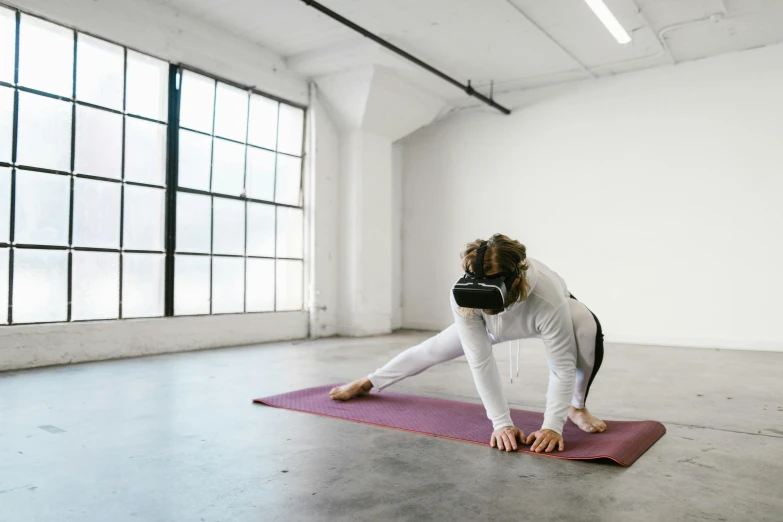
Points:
[(478, 291)]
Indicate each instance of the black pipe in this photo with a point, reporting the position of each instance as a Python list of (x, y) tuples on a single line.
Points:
[(377, 39)]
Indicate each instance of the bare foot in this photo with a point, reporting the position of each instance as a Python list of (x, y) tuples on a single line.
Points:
[(349, 391), (586, 420)]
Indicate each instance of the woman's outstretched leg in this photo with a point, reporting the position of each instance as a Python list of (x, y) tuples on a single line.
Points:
[(443, 347)]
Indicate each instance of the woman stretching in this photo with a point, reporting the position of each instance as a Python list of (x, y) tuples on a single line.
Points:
[(537, 304)]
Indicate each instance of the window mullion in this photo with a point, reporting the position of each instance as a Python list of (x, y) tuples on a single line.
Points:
[(172, 174), (73, 169)]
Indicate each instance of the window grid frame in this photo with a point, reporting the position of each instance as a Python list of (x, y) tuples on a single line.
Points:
[(122, 165), (73, 175), (73, 166), (175, 127), (244, 192), (212, 198), (170, 187)]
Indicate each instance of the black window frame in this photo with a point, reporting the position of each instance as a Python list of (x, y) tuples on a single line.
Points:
[(175, 98), (171, 178)]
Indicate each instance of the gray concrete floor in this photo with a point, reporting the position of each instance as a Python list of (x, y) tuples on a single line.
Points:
[(176, 438)]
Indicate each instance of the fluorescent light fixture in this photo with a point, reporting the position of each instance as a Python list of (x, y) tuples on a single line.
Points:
[(608, 19)]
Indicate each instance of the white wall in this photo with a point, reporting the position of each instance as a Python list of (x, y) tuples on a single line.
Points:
[(325, 206), (365, 273), (397, 166), (156, 28), (65, 343), (657, 195), (371, 108)]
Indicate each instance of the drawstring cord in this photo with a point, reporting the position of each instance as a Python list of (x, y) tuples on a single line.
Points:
[(511, 363)]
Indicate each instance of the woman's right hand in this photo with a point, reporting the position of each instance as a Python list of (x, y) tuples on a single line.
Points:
[(506, 438)]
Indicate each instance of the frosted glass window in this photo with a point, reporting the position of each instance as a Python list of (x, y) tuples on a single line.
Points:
[(231, 112), (260, 230), (5, 210), (46, 56), (98, 143), (7, 47), (260, 285), (191, 285), (100, 72), (290, 130), (260, 174), (197, 102), (228, 168), (143, 218), (288, 182), (6, 123), (4, 285), (290, 232), (95, 290), (229, 226), (145, 151), (194, 223), (289, 285), (147, 86), (40, 286), (142, 285), (44, 138), (195, 158), (96, 214), (43, 203), (262, 130), (228, 285)]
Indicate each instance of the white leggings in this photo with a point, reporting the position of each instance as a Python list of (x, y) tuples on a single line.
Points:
[(446, 346)]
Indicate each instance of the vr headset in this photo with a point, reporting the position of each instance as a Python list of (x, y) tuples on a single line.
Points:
[(477, 291)]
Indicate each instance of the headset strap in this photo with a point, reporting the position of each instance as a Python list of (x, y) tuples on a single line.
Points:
[(478, 268)]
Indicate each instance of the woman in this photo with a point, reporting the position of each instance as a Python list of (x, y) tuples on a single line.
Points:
[(538, 304)]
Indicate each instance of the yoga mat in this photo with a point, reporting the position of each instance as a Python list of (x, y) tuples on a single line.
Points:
[(622, 442)]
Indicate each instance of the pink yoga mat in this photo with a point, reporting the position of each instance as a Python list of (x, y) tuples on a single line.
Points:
[(622, 442)]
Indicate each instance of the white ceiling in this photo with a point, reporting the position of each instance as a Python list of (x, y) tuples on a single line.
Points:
[(515, 43)]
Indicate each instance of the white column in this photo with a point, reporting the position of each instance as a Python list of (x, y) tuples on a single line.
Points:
[(372, 108), (365, 273)]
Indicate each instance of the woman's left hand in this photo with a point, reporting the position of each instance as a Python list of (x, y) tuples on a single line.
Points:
[(545, 440)]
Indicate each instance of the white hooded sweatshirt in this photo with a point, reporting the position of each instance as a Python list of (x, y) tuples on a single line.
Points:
[(543, 314)]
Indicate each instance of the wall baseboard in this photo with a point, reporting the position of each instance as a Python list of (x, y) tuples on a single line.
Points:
[(682, 342), (33, 346)]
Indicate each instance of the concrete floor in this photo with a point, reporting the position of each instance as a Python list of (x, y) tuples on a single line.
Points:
[(176, 438)]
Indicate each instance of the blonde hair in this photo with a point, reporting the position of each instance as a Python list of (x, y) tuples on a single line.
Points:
[(503, 255)]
